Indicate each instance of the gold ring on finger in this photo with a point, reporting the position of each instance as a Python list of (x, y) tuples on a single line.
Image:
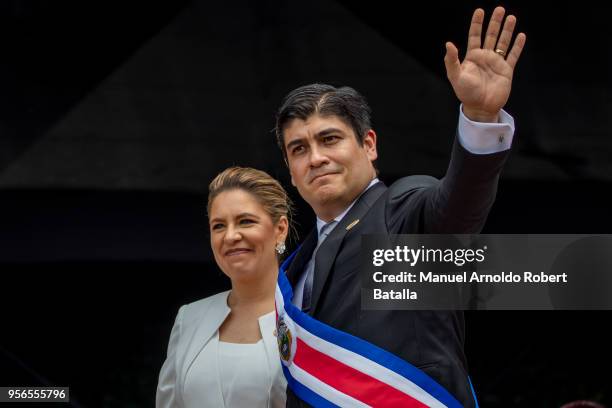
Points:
[(500, 52)]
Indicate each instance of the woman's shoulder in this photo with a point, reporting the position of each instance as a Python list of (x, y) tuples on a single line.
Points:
[(194, 310)]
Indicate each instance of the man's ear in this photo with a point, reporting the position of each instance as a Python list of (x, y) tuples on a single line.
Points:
[(369, 144)]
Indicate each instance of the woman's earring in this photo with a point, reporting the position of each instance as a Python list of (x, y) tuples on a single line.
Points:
[(280, 248)]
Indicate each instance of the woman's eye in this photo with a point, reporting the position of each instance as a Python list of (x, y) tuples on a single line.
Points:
[(246, 222), (297, 150), (216, 226)]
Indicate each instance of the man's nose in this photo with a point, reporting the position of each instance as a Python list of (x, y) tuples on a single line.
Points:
[(317, 158)]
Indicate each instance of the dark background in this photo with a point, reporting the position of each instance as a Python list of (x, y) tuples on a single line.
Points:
[(114, 116)]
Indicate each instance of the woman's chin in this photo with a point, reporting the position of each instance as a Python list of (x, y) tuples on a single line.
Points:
[(241, 270)]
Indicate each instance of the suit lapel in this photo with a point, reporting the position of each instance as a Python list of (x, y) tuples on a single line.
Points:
[(204, 327), (327, 252), (302, 257)]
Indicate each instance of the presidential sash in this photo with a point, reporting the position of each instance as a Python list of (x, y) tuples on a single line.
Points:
[(327, 367)]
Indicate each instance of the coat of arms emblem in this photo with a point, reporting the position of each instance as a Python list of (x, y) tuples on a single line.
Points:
[(284, 339)]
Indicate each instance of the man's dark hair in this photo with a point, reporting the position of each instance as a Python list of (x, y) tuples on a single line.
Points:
[(325, 100)]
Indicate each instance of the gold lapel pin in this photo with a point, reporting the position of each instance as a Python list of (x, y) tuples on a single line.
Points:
[(352, 224)]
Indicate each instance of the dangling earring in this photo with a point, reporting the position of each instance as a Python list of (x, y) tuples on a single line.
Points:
[(280, 248)]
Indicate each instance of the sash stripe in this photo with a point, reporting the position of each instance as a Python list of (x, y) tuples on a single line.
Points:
[(346, 379), (327, 395), (333, 368), (369, 367), (372, 369)]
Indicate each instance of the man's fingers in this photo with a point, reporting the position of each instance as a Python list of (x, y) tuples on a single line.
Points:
[(504, 39), (451, 61), (474, 36), (493, 29), (517, 48)]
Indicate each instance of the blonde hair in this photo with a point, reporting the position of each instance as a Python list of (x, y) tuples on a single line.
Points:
[(263, 187)]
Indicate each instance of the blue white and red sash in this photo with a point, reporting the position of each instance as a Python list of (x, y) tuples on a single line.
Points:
[(327, 367)]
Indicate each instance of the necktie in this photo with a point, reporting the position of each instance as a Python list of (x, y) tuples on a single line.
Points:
[(306, 297)]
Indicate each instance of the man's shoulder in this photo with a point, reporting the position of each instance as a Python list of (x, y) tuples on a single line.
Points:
[(410, 183)]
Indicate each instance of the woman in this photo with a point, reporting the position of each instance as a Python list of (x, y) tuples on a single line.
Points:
[(222, 350)]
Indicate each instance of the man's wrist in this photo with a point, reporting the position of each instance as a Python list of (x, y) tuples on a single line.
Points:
[(485, 137), (481, 116)]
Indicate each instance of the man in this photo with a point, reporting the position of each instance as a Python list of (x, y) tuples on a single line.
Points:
[(329, 146)]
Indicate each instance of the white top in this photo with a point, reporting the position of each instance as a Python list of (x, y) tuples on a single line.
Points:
[(201, 371), (242, 370), (245, 378)]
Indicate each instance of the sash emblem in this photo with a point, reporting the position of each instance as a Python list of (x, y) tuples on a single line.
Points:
[(284, 339)]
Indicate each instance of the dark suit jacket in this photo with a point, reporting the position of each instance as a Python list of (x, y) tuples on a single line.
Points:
[(430, 340)]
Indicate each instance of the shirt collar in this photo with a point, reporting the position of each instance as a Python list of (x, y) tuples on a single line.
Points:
[(321, 223)]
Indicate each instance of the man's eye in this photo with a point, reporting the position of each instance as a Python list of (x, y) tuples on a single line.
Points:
[(297, 150), (330, 139)]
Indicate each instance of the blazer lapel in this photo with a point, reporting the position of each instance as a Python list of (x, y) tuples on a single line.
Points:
[(327, 252), (302, 257), (267, 326), (204, 327)]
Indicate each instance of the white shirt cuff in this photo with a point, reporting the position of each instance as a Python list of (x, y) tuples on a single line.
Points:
[(486, 138)]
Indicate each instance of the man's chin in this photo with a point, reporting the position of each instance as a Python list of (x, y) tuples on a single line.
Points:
[(326, 194)]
